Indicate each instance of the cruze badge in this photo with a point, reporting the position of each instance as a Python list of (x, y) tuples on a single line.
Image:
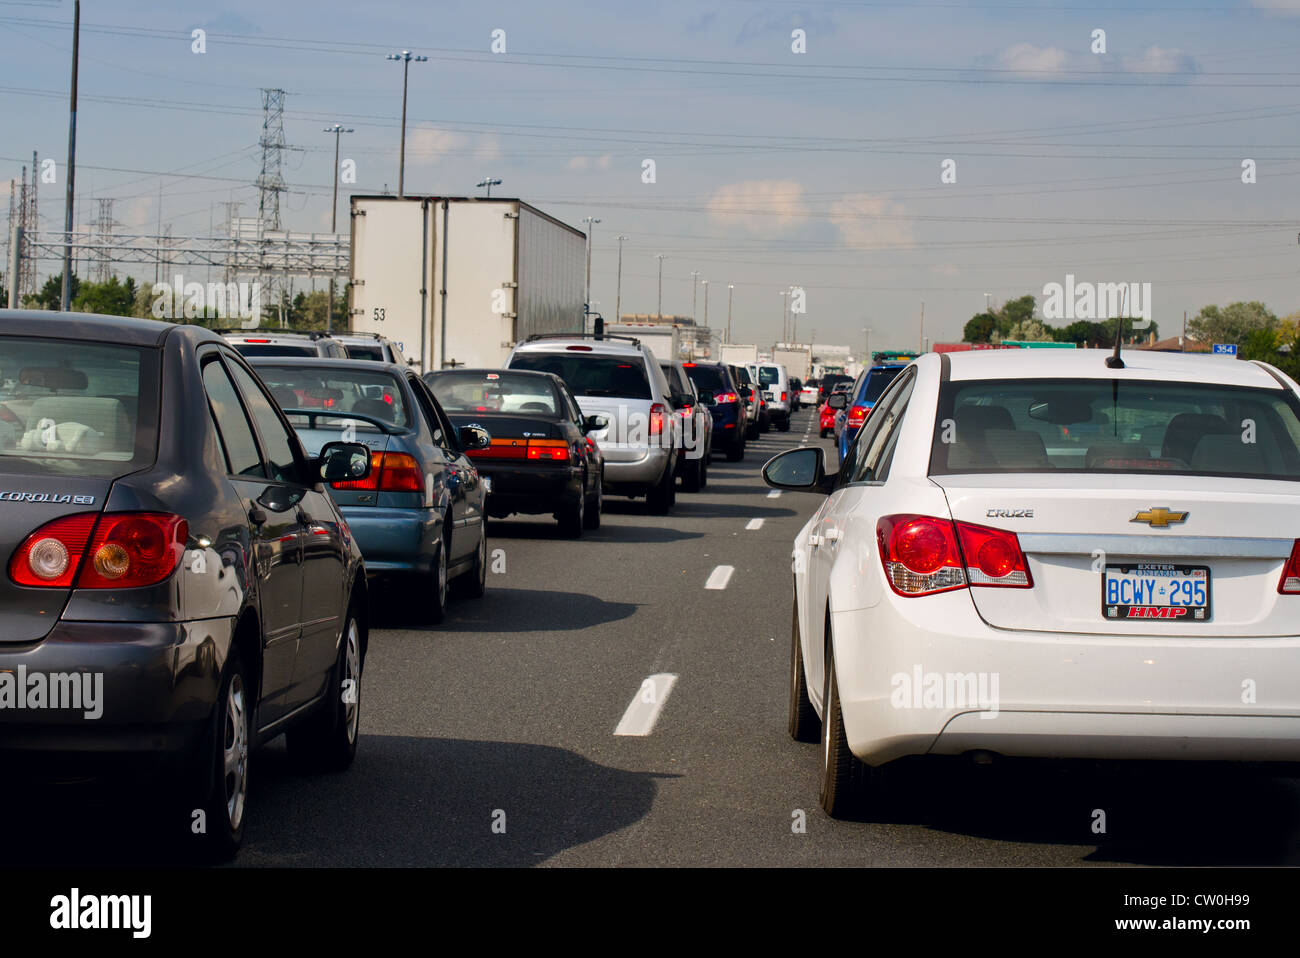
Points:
[(50, 497), (1159, 517), (1010, 513)]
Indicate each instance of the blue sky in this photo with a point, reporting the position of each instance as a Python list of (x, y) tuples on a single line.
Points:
[(773, 168)]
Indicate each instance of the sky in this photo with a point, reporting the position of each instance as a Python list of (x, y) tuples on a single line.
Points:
[(823, 169)]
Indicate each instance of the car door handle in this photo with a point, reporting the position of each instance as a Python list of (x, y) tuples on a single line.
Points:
[(831, 535), (256, 516), (814, 540)]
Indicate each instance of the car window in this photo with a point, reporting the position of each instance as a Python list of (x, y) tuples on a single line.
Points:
[(233, 430), (277, 440), (709, 379), (877, 381), (443, 434), (367, 351), (768, 375), (345, 390), (591, 375), (275, 349), (497, 390), (865, 453)]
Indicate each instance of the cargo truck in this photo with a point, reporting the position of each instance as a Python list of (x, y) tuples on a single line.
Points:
[(458, 281), (796, 359), (662, 339), (738, 354)]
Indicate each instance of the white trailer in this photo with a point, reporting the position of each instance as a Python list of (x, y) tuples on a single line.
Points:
[(738, 354), (663, 339), (796, 359), (460, 280)]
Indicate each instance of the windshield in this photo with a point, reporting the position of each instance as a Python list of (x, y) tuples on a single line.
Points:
[(70, 408), (589, 375), (1099, 425), (878, 381), (494, 392), (707, 379), (768, 375), (375, 353), (276, 349), (377, 395)]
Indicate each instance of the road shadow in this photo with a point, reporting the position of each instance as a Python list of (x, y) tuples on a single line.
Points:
[(541, 529), (406, 802), (500, 610), (1155, 813)]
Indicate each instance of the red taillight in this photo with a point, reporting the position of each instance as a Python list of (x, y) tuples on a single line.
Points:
[(857, 415), (993, 557), (49, 556), (657, 418), (553, 450), (389, 472), (727, 397), (783, 397), (133, 549), (1289, 584), (923, 555), (579, 349), (685, 411), (371, 482)]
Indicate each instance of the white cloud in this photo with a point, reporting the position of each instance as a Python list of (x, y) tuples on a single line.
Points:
[(871, 221), (426, 145), (1159, 60), (1027, 58), (604, 161), (759, 206), (1288, 8), (578, 163)]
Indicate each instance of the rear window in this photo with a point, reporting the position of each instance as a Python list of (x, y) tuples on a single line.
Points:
[(707, 379), (1108, 426), (276, 349), (768, 375), (591, 375), (340, 392), (72, 408), (878, 381), (494, 392), (375, 352)]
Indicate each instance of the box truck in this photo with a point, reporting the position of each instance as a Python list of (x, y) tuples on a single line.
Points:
[(738, 354), (458, 281), (662, 339), (796, 359)]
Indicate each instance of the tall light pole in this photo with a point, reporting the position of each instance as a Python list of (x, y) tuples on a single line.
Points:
[(695, 279), (405, 57), (660, 312), (986, 302), (65, 295), (618, 297), (591, 222), (730, 289), (785, 313), (337, 129), (706, 301), (866, 345), (489, 182)]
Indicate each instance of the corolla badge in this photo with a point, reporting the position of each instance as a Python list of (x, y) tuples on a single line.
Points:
[(50, 497)]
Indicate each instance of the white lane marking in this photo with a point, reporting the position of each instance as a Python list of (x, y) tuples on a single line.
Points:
[(719, 577), (774, 494), (643, 711), (754, 524)]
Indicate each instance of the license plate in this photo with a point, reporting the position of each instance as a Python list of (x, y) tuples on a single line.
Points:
[(1156, 590)]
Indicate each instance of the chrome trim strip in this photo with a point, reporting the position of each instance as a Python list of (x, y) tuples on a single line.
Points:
[(1154, 545)]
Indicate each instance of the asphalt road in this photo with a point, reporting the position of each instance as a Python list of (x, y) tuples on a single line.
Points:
[(490, 739)]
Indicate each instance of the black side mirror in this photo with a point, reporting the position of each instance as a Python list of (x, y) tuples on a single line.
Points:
[(594, 423), (681, 400), (838, 400), (472, 438), (343, 462), (706, 399), (799, 470), (746, 393)]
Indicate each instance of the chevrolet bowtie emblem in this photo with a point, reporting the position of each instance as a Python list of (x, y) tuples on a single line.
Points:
[(1159, 517)]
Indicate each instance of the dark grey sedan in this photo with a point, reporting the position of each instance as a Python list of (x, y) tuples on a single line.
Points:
[(179, 584)]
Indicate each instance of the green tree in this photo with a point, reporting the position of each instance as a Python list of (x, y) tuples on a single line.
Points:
[(1231, 324), (979, 328), (1014, 311), (113, 298), (1030, 331), (52, 291)]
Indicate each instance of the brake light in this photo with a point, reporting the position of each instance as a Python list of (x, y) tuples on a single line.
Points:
[(579, 349), (993, 557), (49, 556), (923, 555), (257, 340), (554, 450), (389, 472), (686, 411), (133, 549), (1289, 584), (727, 397), (371, 482), (657, 418), (783, 397), (689, 365), (857, 415)]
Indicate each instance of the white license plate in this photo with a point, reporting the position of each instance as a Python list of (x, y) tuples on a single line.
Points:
[(1156, 590)]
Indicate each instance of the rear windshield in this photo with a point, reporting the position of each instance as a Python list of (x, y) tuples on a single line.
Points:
[(340, 392), (768, 375), (494, 392), (589, 375), (276, 349), (1101, 425), (73, 408), (707, 379), (375, 353), (878, 381)]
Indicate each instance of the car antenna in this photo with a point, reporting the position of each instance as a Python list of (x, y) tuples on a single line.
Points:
[(1113, 361)]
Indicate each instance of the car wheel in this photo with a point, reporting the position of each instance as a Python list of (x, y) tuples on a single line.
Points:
[(704, 469), (824, 433), (764, 425), (592, 519), (572, 515), (225, 807), (736, 453), (751, 430), (328, 741), (804, 724), (784, 424), (693, 477), (660, 499), (473, 584), (436, 610), (849, 787)]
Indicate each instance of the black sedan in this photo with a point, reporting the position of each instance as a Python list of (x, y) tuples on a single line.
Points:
[(179, 585), (540, 459)]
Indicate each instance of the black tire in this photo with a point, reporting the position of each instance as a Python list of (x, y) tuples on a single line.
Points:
[(736, 452), (805, 726), (473, 584), (660, 499), (824, 433), (224, 775), (597, 505), (751, 431), (693, 476), (849, 788), (704, 470), (327, 741), (784, 424), (573, 515), (436, 583), (764, 425)]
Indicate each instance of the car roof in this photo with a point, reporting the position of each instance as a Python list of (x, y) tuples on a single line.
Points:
[(483, 371), (359, 338), (322, 362), (273, 335), (88, 326), (597, 346), (1091, 364)]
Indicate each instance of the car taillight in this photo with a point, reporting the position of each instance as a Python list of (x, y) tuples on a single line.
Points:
[(685, 411), (1289, 584), (657, 418), (133, 549), (783, 397), (389, 472), (857, 415), (49, 556), (371, 482), (726, 397), (553, 450), (993, 557)]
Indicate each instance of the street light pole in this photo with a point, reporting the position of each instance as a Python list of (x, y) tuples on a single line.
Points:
[(591, 222), (65, 295), (785, 313), (706, 301), (695, 279), (489, 182), (730, 289), (618, 297), (660, 313), (405, 57), (337, 129)]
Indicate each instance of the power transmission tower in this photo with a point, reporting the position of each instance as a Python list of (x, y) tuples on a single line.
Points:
[(103, 227), (28, 223), (270, 184)]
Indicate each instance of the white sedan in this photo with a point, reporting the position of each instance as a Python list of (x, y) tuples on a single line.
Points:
[(1038, 554)]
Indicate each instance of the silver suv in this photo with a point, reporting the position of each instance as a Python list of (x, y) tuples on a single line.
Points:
[(374, 346), (259, 342), (619, 378)]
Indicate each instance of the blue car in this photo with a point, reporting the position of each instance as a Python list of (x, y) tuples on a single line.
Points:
[(869, 387), (714, 381), (419, 516)]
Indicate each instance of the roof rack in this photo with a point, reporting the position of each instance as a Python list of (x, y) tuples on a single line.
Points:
[(601, 338), (309, 333)]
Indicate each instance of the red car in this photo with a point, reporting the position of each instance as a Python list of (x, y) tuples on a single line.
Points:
[(826, 416)]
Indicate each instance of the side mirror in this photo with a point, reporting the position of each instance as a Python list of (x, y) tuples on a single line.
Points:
[(746, 393), (594, 423), (838, 400), (472, 438), (683, 399), (343, 462), (799, 470), (706, 399)]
